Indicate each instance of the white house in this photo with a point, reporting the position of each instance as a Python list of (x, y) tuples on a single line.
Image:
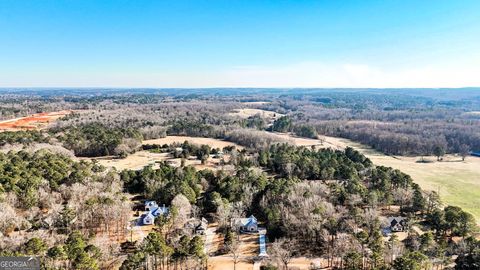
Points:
[(159, 211), (398, 224), (395, 224), (153, 211), (249, 224)]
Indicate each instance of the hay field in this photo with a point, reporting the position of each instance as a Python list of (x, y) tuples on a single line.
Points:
[(141, 159), (457, 181), (135, 161)]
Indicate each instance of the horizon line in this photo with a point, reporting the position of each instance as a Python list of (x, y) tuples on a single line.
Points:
[(222, 87)]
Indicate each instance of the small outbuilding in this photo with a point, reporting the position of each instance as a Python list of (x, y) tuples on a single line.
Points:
[(201, 228)]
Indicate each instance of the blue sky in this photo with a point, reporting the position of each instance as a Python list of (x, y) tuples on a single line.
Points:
[(138, 43)]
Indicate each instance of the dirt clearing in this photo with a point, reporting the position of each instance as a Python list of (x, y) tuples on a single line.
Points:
[(34, 121)]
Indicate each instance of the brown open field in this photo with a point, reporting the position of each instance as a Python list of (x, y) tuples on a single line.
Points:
[(247, 112), (34, 121), (226, 263), (214, 143), (320, 143), (248, 249), (140, 159), (135, 161), (256, 102)]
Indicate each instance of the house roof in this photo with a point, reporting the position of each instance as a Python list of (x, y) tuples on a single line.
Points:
[(150, 203), (252, 221), (149, 215), (246, 221), (157, 211), (392, 221)]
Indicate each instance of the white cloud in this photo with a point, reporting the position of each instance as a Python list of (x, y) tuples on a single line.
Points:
[(304, 74), (312, 74)]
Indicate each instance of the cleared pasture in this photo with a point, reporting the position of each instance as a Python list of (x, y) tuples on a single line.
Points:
[(140, 159), (214, 143), (247, 112)]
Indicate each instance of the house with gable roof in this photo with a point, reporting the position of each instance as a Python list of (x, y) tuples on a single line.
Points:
[(197, 226), (153, 211), (395, 224), (148, 219), (246, 225)]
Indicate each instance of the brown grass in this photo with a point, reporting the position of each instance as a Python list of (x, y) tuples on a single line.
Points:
[(226, 263), (140, 159), (247, 112), (214, 143)]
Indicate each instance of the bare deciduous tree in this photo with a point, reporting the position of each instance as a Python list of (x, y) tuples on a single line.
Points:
[(234, 249), (282, 251)]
